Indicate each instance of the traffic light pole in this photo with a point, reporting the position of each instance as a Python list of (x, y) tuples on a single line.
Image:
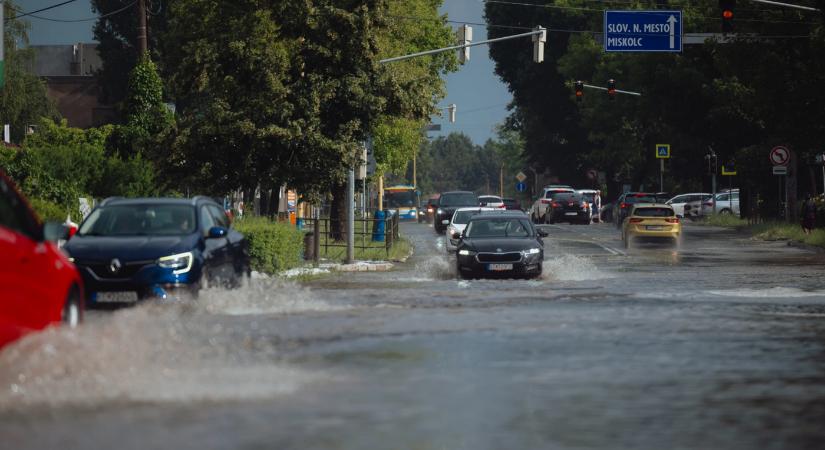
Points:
[(462, 46), (590, 86)]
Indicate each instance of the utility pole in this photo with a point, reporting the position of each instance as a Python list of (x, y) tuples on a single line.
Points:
[(501, 182), (142, 45), (2, 45), (350, 215)]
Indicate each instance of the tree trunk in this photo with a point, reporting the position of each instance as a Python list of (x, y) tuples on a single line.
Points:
[(274, 202), (338, 213)]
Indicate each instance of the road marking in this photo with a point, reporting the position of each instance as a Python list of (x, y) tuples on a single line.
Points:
[(611, 250)]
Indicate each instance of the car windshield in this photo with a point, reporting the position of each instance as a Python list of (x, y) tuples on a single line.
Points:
[(462, 217), (590, 198), (640, 198), (467, 199), (498, 228), (561, 196), (555, 194), (396, 199), (653, 212), (139, 220)]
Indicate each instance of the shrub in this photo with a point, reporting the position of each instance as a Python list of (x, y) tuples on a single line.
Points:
[(50, 211), (273, 246)]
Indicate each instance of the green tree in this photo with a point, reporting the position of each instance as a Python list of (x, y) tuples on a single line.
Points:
[(116, 35), (23, 99)]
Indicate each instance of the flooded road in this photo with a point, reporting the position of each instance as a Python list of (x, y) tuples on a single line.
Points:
[(717, 344)]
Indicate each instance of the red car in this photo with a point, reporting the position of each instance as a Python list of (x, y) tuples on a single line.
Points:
[(39, 286)]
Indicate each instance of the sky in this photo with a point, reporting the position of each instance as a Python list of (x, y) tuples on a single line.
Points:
[(480, 97)]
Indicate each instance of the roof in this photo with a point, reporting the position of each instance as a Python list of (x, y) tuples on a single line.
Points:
[(476, 208), (457, 192), (652, 205), (154, 201), (502, 213)]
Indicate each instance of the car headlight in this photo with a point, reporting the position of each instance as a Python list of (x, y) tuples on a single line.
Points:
[(532, 251), (466, 252), (180, 263), (440, 211)]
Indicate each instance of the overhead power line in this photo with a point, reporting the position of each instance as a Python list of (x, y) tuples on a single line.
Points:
[(41, 10), (89, 19)]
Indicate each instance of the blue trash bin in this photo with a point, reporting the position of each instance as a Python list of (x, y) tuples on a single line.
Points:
[(379, 227)]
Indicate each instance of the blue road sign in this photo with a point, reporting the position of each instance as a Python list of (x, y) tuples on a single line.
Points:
[(643, 31), (663, 151), (521, 186)]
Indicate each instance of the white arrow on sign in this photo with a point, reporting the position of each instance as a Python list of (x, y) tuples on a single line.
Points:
[(672, 21)]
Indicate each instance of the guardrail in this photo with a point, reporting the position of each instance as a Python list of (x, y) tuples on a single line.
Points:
[(370, 233)]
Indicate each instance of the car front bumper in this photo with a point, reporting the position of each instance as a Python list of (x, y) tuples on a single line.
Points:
[(469, 265)]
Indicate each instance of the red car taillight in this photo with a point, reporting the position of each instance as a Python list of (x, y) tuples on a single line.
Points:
[(545, 201), (72, 232), (623, 205), (555, 204), (635, 220), (708, 203), (672, 220)]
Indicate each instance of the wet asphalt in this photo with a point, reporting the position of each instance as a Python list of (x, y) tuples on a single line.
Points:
[(717, 343)]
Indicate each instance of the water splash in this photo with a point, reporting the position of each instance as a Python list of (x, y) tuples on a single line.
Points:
[(572, 268), (271, 296), (436, 268)]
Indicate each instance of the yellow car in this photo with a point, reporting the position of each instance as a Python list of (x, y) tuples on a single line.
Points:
[(651, 221)]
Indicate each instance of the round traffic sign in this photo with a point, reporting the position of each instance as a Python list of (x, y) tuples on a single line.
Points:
[(521, 186), (780, 156)]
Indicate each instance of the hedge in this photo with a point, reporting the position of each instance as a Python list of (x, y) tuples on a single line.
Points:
[(273, 246)]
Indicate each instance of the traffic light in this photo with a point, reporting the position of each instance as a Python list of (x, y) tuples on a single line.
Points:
[(465, 36), (538, 44), (611, 89), (451, 110), (726, 11), (579, 90)]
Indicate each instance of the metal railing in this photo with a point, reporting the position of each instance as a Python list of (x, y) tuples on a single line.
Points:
[(368, 235)]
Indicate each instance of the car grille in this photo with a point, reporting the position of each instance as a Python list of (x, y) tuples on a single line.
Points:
[(101, 269), (512, 257)]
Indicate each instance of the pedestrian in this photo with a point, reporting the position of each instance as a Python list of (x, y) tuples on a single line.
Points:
[(808, 214)]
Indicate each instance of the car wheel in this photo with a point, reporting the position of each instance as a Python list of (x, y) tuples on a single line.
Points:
[(72, 313), (724, 211)]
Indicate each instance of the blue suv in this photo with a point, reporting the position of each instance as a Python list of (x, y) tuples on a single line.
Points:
[(131, 249)]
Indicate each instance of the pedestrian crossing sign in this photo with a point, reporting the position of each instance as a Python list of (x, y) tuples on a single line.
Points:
[(663, 151)]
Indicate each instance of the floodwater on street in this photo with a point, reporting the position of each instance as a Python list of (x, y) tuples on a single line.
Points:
[(719, 343)]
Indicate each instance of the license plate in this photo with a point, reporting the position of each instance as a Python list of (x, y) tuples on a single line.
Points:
[(116, 297), (571, 214), (654, 227), (499, 267)]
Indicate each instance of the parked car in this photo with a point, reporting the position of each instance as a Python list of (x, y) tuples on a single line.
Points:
[(448, 202), (651, 221), (459, 221), (568, 207), (39, 286), (133, 249), (594, 198), (678, 202), (625, 201), (511, 204), (500, 244), (727, 202), (490, 201), (539, 208)]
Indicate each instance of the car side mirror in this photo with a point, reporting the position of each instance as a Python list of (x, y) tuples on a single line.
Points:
[(445, 222), (216, 232), (456, 235), (542, 233), (57, 231)]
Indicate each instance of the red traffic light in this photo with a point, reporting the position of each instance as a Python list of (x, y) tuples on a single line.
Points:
[(579, 90), (727, 14), (611, 88)]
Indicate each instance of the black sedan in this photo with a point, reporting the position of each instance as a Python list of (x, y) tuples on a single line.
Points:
[(447, 204), (568, 207), (500, 245)]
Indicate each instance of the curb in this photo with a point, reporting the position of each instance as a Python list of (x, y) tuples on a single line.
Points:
[(363, 267)]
